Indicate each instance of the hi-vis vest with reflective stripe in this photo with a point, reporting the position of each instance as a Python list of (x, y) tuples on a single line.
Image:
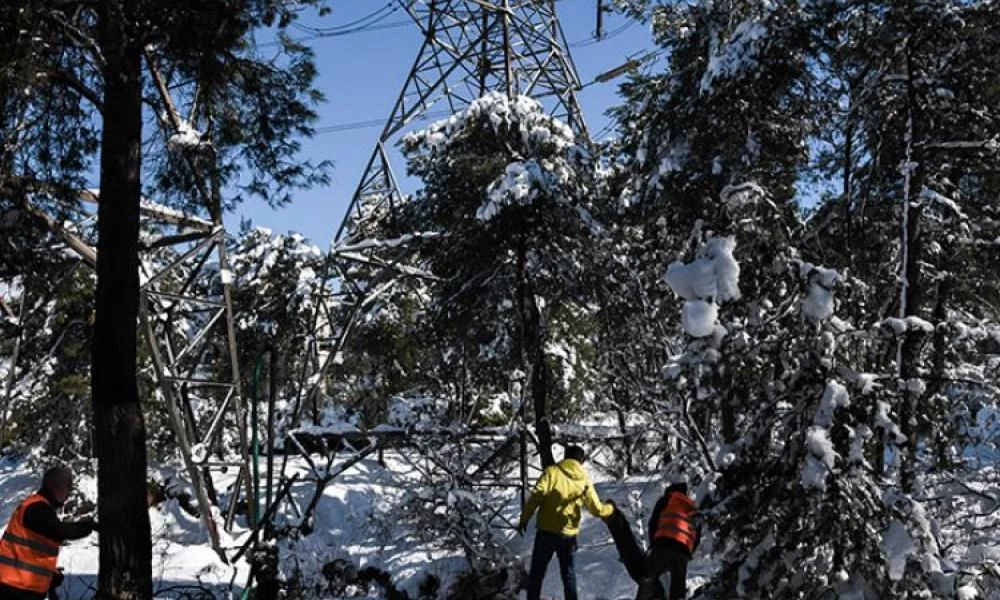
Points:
[(27, 560), (675, 521)]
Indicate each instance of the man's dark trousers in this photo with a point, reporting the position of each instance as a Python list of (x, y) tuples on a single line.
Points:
[(547, 544), (660, 560)]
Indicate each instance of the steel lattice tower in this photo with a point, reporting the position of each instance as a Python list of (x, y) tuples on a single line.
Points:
[(470, 47)]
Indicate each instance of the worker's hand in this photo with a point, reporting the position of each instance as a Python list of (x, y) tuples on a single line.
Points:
[(92, 524), (57, 579), (614, 508)]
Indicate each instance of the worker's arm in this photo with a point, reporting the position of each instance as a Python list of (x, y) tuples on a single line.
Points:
[(542, 487), (41, 518), (594, 505), (654, 518)]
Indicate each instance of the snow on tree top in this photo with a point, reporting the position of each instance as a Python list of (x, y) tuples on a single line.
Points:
[(534, 126)]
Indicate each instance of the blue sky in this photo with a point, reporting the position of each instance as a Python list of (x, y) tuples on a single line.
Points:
[(363, 73)]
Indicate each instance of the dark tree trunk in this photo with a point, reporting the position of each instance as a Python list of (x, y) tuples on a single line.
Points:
[(942, 435), (125, 549), (730, 404), (533, 353), (909, 355)]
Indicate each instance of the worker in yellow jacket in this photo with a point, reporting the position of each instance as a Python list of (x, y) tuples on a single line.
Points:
[(560, 493)]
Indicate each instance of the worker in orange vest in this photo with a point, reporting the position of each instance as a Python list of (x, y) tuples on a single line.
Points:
[(673, 537), (29, 548)]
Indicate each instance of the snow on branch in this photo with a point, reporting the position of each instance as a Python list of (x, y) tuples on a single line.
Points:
[(387, 243), (710, 279)]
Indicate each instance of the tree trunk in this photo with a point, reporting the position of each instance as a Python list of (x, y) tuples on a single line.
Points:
[(533, 353), (909, 367), (944, 434), (912, 295), (125, 549)]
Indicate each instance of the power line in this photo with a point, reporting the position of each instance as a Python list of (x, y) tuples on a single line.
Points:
[(354, 125), (634, 62), (309, 38), (369, 19), (370, 22), (610, 35)]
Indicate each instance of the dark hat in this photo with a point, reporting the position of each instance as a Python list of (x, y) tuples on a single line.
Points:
[(576, 453)]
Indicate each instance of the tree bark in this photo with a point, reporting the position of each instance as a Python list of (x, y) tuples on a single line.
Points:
[(125, 549), (912, 296), (942, 436), (533, 353)]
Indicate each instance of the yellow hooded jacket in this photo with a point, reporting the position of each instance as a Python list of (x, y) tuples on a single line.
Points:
[(561, 491)]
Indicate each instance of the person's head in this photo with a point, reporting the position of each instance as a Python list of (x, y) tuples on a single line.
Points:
[(57, 483), (575, 453), (677, 486)]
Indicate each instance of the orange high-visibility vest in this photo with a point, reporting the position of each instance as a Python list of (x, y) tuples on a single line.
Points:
[(27, 559), (675, 521)]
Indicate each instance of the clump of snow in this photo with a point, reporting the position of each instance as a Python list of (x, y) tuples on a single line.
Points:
[(821, 455), (496, 110), (820, 460), (896, 325), (867, 382), (914, 323), (883, 420), (898, 546), (672, 158), (417, 412), (519, 185), (731, 57), (900, 326), (713, 276), (187, 138), (819, 444), (698, 317), (711, 279), (743, 194), (818, 304), (859, 436), (692, 281), (916, 386), (835, 395)]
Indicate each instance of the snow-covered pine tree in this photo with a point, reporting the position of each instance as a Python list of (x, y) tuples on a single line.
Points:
[(719, 146), (274, 279), (914, 153), (509, 185)]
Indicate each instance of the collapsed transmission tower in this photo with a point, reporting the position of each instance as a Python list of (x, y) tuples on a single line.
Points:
[(470, 48), (186, 317)]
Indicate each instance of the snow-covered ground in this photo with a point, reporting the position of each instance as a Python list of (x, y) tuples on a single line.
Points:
[(350, 524), (182, 556)]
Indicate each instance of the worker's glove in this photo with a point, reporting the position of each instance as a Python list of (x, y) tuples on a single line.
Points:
[(57, 579), (614, 508), (92, 524)]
